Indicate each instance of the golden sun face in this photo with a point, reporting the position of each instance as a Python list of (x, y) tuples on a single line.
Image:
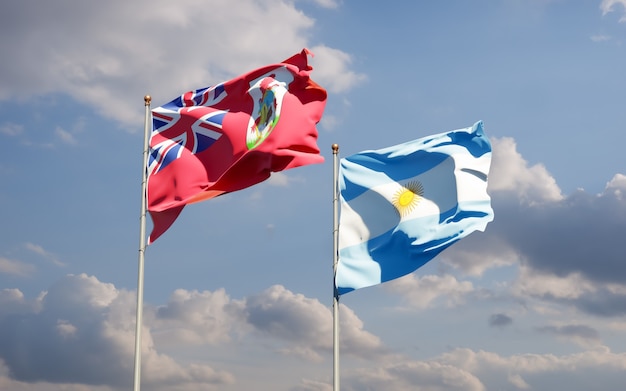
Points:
[(407, 197)]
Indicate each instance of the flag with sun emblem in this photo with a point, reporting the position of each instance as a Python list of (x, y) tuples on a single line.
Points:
[(401, 206), (232, 135)]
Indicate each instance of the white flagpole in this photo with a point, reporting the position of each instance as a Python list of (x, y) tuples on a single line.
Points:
[(335, 260), (142, 246)]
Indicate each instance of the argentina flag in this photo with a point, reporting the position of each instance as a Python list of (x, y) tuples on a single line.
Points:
[(401, 206)]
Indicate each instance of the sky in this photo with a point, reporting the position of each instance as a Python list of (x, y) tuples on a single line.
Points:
[(238, 292)]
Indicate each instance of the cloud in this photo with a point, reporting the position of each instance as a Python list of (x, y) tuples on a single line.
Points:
[(511, 173), (607, 6), (479, 252), (6, 383), (109, 55), (427, 291), (430, 375), (12, 302), (514, 185), (560, 251), (582, 334), (192, 317), (500, 320), (568, 249), (573, 290), (283, 179), (281, 314), (328, 63), (83, 332), (11, 129), (278, 179), (37, 249), (16, 268), (555, 237), (65, 136), (326, 3), (311, 385), (600, 38), (533, 370), (305, 324), (534, 283)]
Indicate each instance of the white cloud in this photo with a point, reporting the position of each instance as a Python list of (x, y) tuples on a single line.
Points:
[(478, 253), (280, 179), (354, 340), (328, 64), (305, 324), (327, 3), (65, 136), (109, 55), (511, 172), (11, 129), (548, 235), (16, 268), (617, 186), (498, 372), (429, 375), (580, 334), (12, 301), (6, 383), (517, 381), (65, 328), (533, 283), (312, 385), (424, 292), (37, 249), (554, 237), (600, 38), (84, 334), (192, 317), (607, 6)]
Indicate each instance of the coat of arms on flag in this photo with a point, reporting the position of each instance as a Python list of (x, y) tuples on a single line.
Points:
[(233, 135)]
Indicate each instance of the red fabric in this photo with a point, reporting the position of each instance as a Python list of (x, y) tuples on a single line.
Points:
[(229, 163)]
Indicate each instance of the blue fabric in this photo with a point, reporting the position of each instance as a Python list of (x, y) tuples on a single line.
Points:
[(401, 206)]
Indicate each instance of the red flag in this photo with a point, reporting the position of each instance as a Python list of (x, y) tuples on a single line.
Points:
[(231, 136)]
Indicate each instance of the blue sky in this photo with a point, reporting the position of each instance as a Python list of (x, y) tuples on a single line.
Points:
[(238, 293)]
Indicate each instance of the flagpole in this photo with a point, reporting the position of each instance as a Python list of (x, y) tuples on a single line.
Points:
[(142, 246), (335, 260)]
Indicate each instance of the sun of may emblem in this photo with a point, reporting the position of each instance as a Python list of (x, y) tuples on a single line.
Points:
[(407, 197)]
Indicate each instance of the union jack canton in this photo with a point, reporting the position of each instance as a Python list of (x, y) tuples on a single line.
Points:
[(174, 129)]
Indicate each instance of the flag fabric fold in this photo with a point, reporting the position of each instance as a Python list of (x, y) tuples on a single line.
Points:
[(231, 136), (401, 206)]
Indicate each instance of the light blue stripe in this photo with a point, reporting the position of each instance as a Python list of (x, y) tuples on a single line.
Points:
[(408, 246), (399, 246), (368, 169)]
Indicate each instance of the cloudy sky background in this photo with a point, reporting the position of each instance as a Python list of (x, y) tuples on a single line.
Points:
[(239, 291)]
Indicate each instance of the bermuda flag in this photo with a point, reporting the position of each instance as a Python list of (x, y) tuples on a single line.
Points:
[(230, 136)]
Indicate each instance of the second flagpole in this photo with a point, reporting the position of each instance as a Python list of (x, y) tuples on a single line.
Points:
[(335, 260)]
